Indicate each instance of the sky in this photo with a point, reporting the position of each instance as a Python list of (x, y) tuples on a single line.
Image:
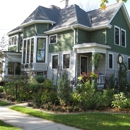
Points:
[(14, 12)]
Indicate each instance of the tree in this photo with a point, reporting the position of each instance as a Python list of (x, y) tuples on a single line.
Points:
[(104, 2)]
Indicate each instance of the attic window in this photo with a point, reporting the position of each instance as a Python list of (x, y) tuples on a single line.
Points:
[(53, 39)]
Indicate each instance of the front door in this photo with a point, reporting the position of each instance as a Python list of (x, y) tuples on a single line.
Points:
[(83, 64)]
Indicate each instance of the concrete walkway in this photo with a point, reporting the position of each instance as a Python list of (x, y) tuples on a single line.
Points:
[(27, 122)]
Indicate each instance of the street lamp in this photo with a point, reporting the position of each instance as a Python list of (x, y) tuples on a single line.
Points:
[(119, 61)]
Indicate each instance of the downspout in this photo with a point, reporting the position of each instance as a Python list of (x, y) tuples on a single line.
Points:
[(75, 58)]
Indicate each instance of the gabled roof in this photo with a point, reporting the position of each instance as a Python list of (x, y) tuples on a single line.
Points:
[(73, 16)]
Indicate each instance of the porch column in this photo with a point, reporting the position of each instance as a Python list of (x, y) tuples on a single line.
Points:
[(75, 66), (93, 68)]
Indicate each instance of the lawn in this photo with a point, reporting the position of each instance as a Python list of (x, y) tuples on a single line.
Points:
[(85, 121), (2, 103), (4, 126)]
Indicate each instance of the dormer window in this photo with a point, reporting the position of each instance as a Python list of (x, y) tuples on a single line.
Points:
[(53, 39)]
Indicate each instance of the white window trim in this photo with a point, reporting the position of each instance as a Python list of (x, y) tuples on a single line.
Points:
[(114, 35), (127, 63), (12, 45), (125, 37), (63, 61), (112, 61), (51, 36), (52, 59)]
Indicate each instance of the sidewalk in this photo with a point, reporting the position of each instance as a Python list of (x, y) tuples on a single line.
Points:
[(27, 122)]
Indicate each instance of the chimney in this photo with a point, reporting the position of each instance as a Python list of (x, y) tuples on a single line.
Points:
[(66, 3)]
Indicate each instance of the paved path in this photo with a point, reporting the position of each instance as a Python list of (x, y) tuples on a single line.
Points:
[(27, 122)]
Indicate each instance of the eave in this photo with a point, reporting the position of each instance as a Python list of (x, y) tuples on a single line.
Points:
[(36, 21), (13, 32), (78, 26)]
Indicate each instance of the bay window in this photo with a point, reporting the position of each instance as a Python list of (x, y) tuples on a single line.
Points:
[(41, 47)]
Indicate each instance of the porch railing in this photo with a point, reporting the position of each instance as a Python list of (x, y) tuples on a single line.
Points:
[(101, 82)]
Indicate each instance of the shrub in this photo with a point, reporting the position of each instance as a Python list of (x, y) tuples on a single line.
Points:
[(120, 101), (40, 79), (64, 90)]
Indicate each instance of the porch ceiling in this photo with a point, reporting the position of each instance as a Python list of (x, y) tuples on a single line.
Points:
[(90, 47)]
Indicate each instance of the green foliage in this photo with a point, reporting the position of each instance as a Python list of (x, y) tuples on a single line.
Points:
[(40, 79), (96, 58), (111, 81), (103, 99), (123, 76), (1, 89), (86, 92), (64, 90), (120, 101)]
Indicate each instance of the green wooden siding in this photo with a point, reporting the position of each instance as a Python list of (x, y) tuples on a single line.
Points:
[(65, 42), (41, 28), (83, 36), (119, 21), (29, 31), (97, 36)]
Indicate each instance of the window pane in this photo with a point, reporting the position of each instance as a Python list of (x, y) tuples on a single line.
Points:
[(110, 61), (117, 36), (128, 63), (53, 39), (10, 68), (55, 61), (28, 50), (24, 51), (41, 48), (21, 40), (17, 69), (123, 37), (32, 47), (66, 60)]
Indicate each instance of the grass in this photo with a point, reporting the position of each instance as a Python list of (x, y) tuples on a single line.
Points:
[(5, 126), (2, 103), (85, 121)]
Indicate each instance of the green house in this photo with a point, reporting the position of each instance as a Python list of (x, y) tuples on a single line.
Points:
[(52, 39)]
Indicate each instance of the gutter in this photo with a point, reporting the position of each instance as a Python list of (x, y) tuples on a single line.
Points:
[(78, 26)]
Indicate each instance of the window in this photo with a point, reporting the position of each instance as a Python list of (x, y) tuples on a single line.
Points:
[(10, 68), (24, 51), (117, 35), (21, 41), (53, 39), (55, 61), (128, 63), (123, 37), (17, 69), (32, 48), (28, 50), (66, 60), (110, 61), (41, 47), (13, 40)]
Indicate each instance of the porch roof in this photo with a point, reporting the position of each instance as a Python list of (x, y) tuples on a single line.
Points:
[(91, 47)]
